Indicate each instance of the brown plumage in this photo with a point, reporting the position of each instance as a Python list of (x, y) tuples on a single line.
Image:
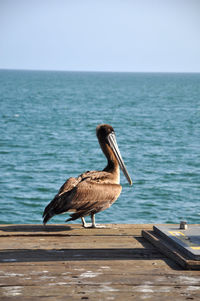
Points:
[(92, 191)]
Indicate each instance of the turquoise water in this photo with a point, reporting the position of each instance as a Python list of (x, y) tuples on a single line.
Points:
[(47, 126)]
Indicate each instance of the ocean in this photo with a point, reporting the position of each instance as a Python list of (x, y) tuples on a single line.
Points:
[(47, 134)]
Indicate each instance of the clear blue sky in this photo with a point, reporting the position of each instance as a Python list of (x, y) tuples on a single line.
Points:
[(103, 35)]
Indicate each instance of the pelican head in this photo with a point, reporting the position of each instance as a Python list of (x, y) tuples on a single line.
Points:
[(107, 139)]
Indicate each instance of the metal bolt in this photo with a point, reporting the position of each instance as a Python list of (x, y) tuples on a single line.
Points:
[(183, 225)]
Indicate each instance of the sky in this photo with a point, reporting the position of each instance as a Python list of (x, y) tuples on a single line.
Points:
[(100, 35)]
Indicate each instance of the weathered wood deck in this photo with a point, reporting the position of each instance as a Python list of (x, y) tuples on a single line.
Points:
[(67, 262)]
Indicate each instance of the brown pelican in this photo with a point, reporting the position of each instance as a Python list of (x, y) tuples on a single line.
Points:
[(92, 191)]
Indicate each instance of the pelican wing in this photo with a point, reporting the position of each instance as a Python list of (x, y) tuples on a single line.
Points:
[(68, 185), (52, 208), (84, 194), (97, 177), (91, 198), (94, 176)]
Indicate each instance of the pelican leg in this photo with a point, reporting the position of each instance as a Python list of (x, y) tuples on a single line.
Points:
[(93, 224), (84, 224), (93, 221)]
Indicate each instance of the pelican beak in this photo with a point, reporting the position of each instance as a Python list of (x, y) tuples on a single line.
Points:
[(113, 144)]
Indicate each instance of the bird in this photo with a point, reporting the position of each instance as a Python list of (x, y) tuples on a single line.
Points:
[(92, 191)]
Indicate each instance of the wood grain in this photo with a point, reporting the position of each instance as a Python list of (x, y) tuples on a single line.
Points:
[(62, 262)]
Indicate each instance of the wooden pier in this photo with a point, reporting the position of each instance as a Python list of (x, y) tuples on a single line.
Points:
[(67, 262)]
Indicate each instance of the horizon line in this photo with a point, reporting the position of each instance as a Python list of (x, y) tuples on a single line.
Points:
[(96, 71)]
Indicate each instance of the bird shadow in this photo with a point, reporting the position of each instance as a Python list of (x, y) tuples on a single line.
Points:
[(35, 228)]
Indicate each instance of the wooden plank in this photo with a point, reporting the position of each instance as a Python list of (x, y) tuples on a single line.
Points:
[(116, 263)]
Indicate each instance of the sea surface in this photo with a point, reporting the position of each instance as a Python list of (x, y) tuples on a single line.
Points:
[(47, 134)]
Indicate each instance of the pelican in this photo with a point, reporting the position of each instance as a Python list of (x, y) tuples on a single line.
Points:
[(92, 191)]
